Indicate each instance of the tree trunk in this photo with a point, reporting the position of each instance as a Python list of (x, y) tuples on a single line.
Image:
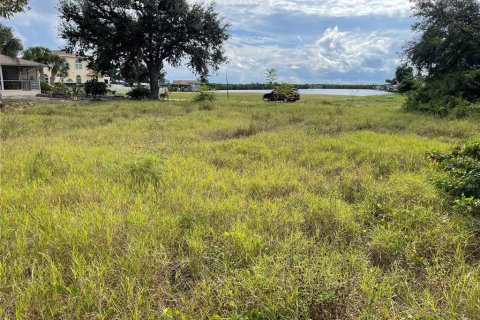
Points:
[(154, 70), (42, 74), (53, 77)]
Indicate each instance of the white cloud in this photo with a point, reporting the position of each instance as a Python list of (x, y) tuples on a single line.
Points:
[(330, 8), (335, 51), (300, 38), (37, 26)]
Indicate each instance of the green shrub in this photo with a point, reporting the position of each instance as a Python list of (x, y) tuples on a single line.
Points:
[(454, 94), (75, 91), (284, 88), (463, 84), (206, 93), (407, 85), (141, 173), (459, 175), (139, 93), (60, 88), (95, 88), (45, 87)]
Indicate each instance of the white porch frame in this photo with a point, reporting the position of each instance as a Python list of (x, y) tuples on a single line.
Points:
[(1, 78), (26, 85), (22, 87)]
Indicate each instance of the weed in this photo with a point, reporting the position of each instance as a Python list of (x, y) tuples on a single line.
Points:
[(11, 126), (42, 166), (206, 107)]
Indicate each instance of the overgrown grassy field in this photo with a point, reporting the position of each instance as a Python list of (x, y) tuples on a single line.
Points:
[(236, 209)]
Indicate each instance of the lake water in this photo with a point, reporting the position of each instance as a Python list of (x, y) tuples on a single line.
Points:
[(332, 92)]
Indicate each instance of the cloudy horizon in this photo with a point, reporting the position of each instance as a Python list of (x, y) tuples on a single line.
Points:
[(306, 41)]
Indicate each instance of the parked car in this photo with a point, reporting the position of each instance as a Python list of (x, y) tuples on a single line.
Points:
[(292, 96)]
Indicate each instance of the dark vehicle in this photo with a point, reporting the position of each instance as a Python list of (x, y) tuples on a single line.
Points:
[(291, 96)]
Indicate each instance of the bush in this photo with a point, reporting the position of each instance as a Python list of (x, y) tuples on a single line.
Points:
[(459, 176), (95, 88), (284, 88), (60, 88), (45, 87), (139, 93), (407, 85), (429, 99), (286, 91), (206, 93), (454, 94), (75, 91)]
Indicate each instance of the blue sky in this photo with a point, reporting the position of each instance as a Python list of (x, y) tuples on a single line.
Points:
[(307, 41)]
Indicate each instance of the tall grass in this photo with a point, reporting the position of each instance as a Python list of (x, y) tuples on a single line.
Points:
[(165, 210)]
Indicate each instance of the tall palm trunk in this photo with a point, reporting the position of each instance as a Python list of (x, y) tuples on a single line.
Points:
[(42, 74), (53, 76)]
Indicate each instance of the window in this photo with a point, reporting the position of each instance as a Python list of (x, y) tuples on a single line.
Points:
[(78, 64), (62, 79), (79, 80), (46, 79)]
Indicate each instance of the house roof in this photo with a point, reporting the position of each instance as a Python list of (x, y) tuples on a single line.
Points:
[(62, 53), (186, 82), (7, 61)]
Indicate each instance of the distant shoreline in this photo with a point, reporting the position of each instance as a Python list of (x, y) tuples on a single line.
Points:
[(330, 92), (265, 86)]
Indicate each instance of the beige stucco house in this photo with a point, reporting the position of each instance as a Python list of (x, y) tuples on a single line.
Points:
[(78, 73), (19, 77)]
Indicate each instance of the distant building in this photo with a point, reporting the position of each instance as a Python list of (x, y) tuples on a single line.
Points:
[(19, 77), (391, 87), (185, 85), (78, 73)]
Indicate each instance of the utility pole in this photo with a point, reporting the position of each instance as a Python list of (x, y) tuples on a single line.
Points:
[(226, 78)]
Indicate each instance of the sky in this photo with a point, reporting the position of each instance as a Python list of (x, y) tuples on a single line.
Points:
[(306, 41)]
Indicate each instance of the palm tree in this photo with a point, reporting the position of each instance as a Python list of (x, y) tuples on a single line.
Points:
[(41, 55), (59, 66)]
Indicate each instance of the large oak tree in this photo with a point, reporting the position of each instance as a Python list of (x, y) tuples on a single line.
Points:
[(120, 34)]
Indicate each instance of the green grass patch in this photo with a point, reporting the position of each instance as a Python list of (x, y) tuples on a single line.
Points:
[(241, 209)]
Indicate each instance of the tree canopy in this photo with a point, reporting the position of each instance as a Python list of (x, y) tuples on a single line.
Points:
[(447, 53), (153, 32), (9, 44), (271, 75), (38, 54), (134, 76), (404, 77), (449, 33), (9, 7), (58, 65)]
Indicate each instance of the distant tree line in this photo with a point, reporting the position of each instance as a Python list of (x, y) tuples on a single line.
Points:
[(268, 86)]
